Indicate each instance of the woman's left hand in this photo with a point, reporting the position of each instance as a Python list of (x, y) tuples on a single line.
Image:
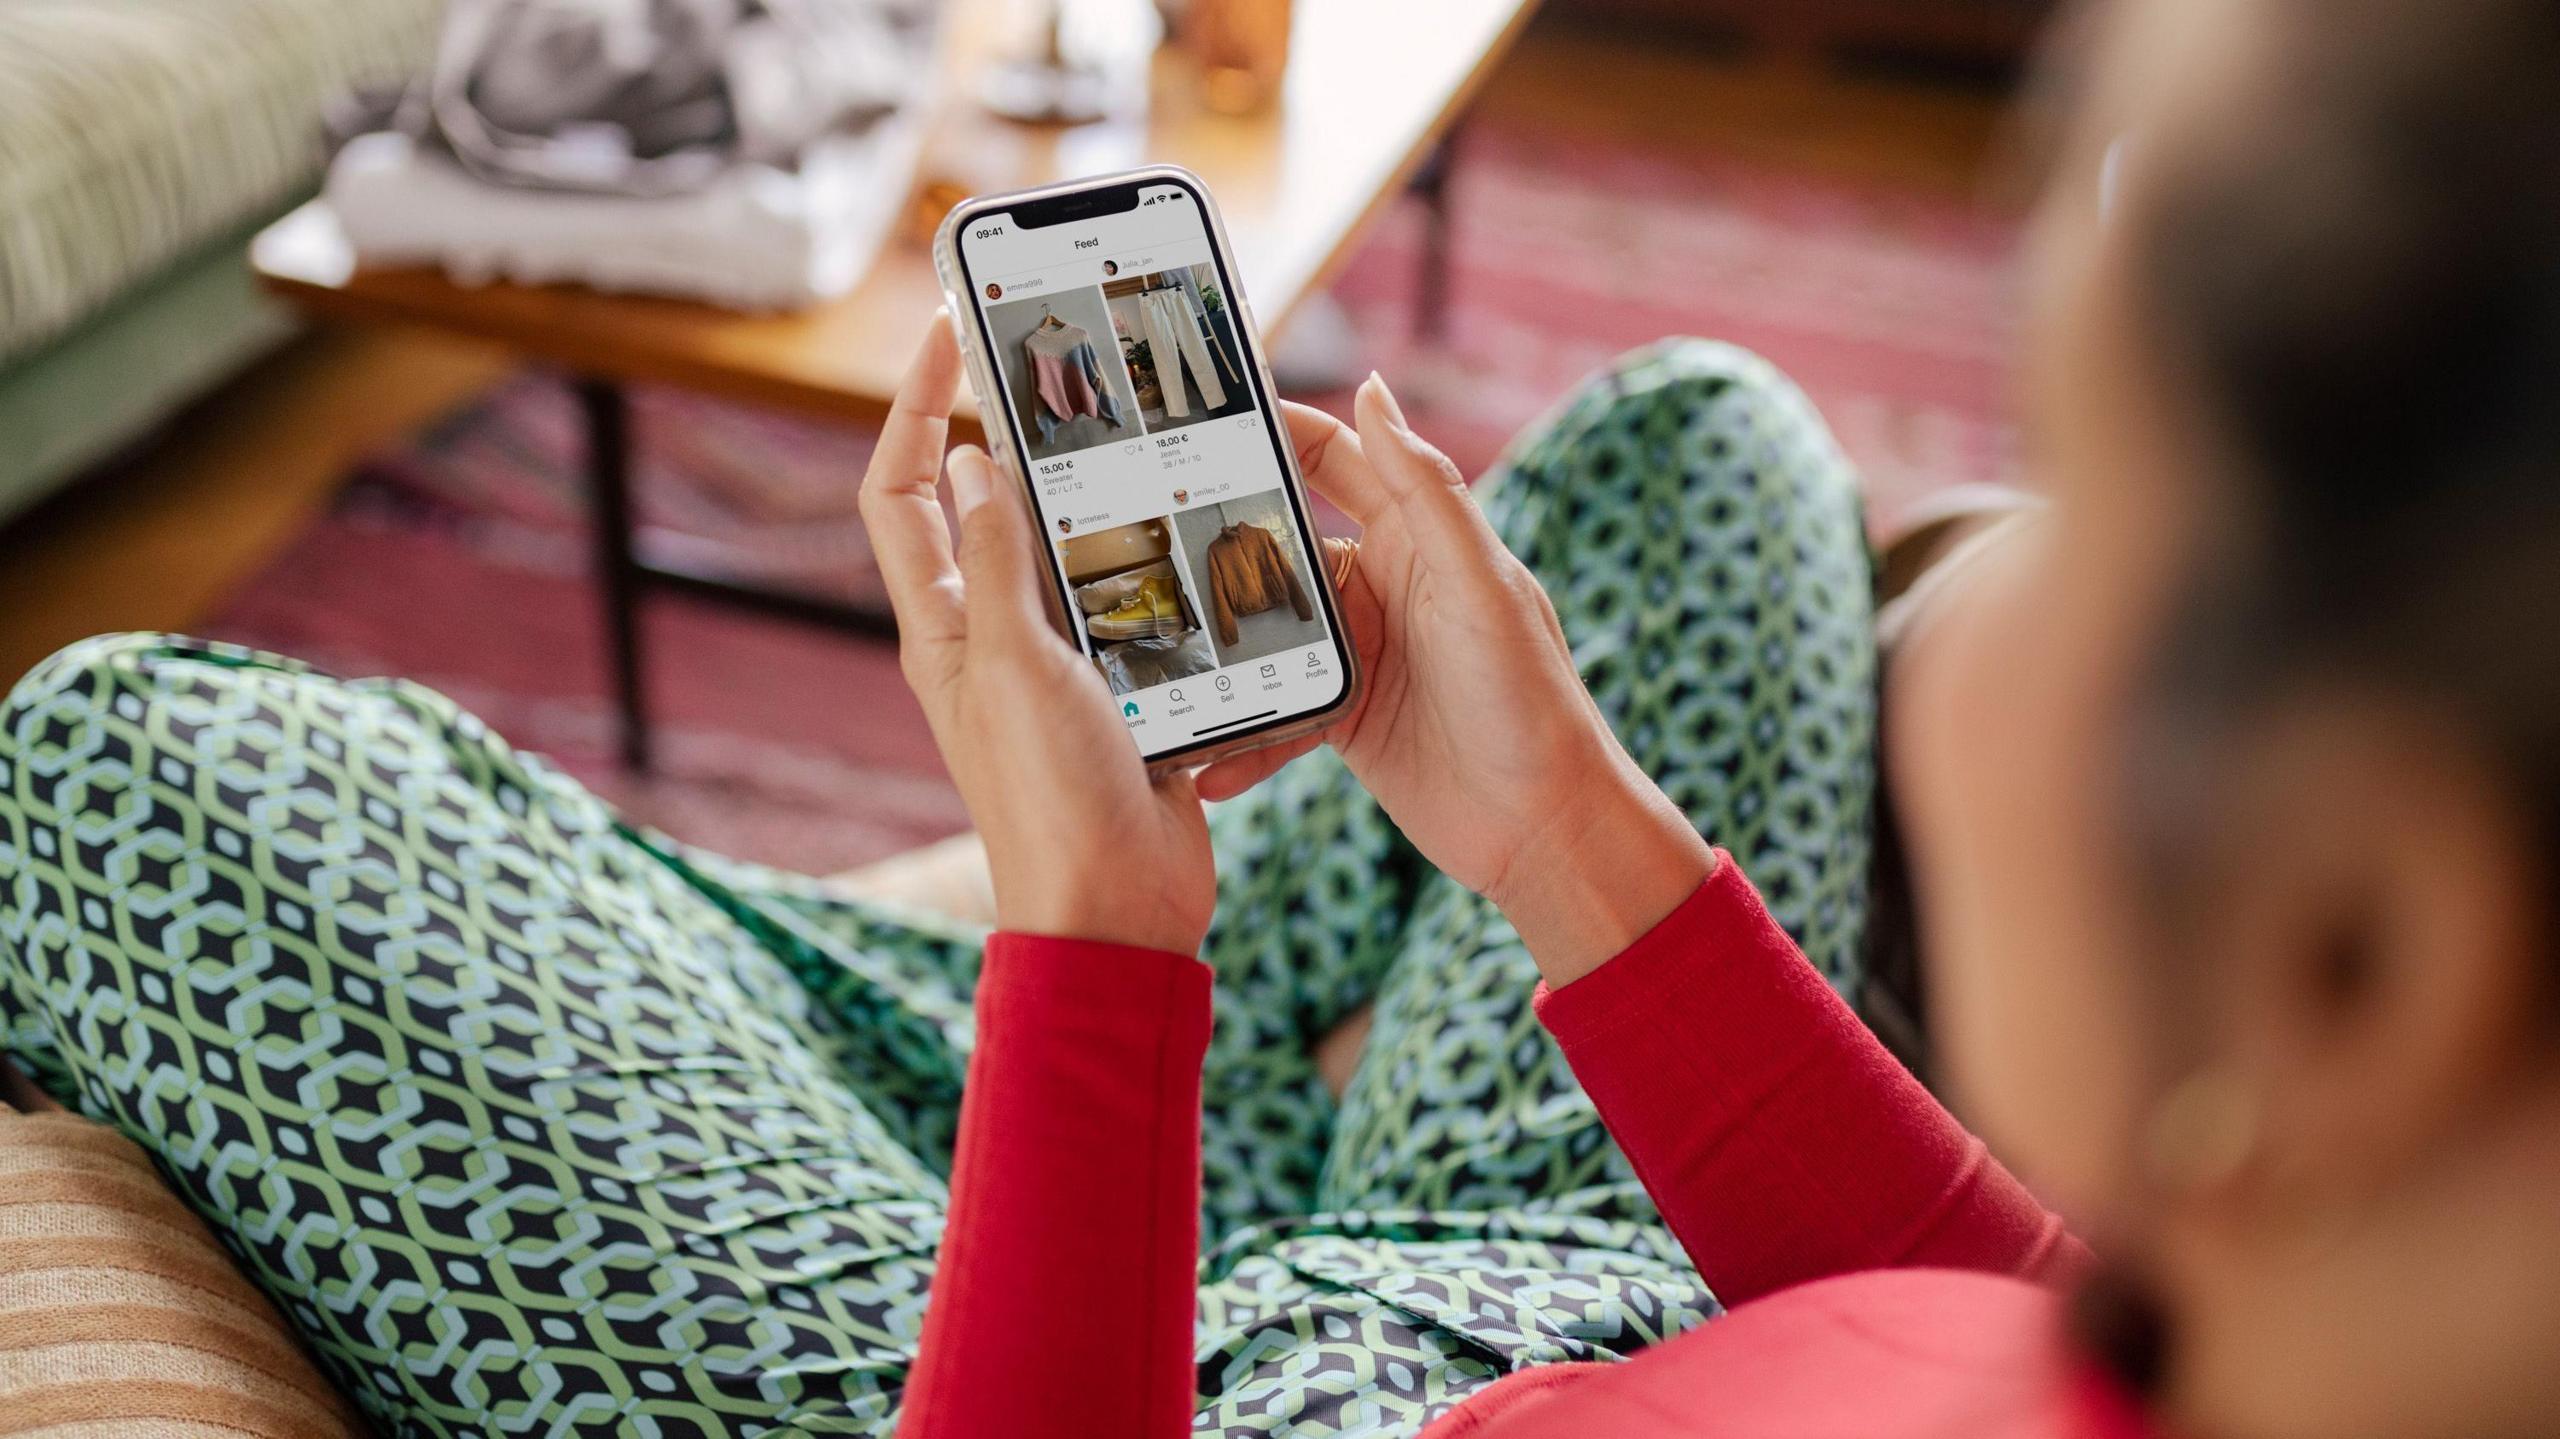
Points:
[(1082, 844)]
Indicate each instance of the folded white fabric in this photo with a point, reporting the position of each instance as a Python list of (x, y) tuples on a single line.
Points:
[(755, 236)]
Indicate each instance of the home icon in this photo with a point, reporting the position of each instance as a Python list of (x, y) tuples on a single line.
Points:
[(1130, 709)]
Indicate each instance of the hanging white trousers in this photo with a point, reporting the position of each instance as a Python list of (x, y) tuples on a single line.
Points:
[(1173, 336)]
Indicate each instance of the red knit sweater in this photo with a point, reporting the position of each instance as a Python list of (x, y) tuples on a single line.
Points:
[(1886, 1277)]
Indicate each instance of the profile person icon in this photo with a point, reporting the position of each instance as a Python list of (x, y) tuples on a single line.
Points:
[(1111, 267), (994, 290), (1065, 525)]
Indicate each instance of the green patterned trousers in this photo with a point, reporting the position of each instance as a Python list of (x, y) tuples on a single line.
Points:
[(536, 1122)]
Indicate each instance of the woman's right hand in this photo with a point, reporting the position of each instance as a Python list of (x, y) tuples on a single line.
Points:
[(1473, 728)]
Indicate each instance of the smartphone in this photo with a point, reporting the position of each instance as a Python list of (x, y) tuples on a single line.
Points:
[(1119, 377)]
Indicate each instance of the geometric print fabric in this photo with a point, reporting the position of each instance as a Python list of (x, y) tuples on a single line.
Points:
[(536, 1123)]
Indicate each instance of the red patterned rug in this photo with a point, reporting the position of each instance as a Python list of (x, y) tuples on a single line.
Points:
[(459, 561)]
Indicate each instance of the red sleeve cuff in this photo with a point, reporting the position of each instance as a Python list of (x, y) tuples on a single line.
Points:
[(1722, 915), (1045, 964)]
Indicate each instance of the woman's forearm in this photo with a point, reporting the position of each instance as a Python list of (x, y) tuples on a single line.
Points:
[(1064, 1291), (1594, 879)]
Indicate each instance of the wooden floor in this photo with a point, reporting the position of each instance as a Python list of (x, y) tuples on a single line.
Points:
[(156, 541)]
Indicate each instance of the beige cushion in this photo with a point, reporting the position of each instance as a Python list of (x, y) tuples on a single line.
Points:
[(120, 1317)]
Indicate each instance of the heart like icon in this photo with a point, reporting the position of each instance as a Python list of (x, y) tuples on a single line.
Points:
[(1129, 449), (1182, 497)]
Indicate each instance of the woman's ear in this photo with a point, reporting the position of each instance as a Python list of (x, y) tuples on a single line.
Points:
[(2381, 935)]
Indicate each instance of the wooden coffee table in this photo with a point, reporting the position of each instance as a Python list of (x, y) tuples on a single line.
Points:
[(1373, 89)]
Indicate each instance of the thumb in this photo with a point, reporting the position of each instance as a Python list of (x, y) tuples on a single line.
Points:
[(998, 557), (1406, 460), (1426, 484)]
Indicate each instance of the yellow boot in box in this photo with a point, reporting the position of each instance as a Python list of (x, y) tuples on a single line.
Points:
[(1153, 609)]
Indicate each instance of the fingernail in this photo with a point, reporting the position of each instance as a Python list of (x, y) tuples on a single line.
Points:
[(967, 467), (1387, 400)]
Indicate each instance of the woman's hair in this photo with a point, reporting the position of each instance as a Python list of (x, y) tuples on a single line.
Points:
[(2361, 287)]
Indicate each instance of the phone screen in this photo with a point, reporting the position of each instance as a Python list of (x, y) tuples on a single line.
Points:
[(1132, 394)]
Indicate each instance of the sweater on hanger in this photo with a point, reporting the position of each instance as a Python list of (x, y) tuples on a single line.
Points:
[(1068, 379), (1250, 573)]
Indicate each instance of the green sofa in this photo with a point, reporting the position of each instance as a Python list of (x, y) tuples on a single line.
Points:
[(141, 143)]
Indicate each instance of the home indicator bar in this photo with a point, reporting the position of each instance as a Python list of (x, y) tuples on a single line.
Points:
[(1231, 724)]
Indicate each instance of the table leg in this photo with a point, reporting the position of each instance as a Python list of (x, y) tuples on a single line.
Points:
[(1431, 184), (608, 417)]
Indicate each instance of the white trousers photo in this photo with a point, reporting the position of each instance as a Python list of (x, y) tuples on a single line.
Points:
[(1173, 336)]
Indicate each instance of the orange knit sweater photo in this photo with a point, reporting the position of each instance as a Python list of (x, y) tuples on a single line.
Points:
[(1249, 572)]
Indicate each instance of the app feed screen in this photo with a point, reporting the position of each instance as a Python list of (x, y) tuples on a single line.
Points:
[(1154, 462)]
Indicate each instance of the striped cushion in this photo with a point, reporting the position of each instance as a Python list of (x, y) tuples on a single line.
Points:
[(133, 131), (119, 1316)]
